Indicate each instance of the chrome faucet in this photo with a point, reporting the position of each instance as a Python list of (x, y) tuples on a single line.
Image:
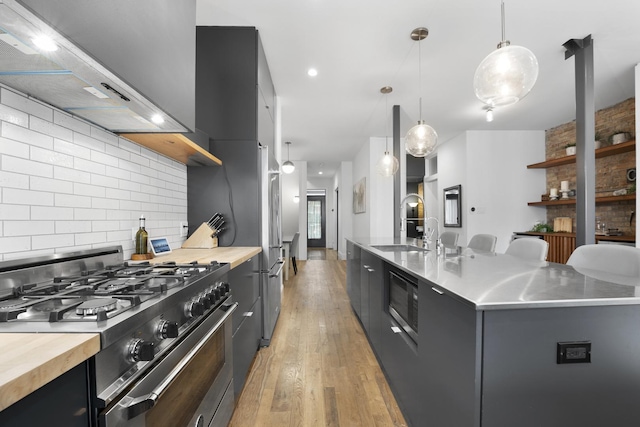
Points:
[(426, 236), (429, 234)]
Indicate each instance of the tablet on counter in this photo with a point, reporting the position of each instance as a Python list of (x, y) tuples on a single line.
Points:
[(160, 246)]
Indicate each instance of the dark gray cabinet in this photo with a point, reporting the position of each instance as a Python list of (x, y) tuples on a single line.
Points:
[(235, 97), (371, 295), (244, 281), (61, 402), (354, 271)]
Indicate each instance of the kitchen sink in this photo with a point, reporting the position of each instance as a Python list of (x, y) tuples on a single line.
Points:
[(399, 247)]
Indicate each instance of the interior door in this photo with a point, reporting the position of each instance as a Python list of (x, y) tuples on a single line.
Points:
[(316, 222)]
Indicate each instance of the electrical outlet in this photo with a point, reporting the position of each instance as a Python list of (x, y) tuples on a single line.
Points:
[(184, 229)]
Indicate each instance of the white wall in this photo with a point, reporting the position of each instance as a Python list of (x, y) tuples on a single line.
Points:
[(377, 220), (492, 168), (302, 209), (344, 184), (68, 185), (637, 75), (290, 209)]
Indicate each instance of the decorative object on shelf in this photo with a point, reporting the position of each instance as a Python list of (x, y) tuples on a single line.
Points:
[(620, 192), (388, 164), (570, 149), (619, 137), (553, 194), (288, 166), (631, 175), (422, 138), (542, 228), (507, 74), (564, 189), (598, 141)]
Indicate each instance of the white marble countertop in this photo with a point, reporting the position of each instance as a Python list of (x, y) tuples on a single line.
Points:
[(492, 281)]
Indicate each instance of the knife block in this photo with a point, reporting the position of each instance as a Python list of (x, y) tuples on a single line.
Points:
[(201, 238)]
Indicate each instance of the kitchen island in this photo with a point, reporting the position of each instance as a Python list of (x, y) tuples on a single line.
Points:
[(499, 341)]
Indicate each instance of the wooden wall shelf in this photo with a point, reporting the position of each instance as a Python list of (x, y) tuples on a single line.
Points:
[(176, 146), (606, 199), (610, 150)]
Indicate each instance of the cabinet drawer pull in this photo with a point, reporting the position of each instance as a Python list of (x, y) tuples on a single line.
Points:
[(247, 313), (436, 290), (366, 266), (396, 330), (370, 270)]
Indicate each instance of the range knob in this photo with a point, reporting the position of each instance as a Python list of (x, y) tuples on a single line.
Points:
[(224, 288), (167, 329), (211, 295), (193, 309), (140, 350), (205, 301)]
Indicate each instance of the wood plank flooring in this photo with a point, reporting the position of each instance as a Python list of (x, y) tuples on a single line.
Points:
[(319, 369)]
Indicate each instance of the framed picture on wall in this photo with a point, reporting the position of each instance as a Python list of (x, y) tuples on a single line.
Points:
[(360, 196)]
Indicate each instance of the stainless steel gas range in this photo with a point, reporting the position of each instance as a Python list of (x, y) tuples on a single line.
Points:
[(165, 331)]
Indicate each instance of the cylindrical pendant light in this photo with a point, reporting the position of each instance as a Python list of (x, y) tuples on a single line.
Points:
[(422, 138), (388, 164), (506, 75)]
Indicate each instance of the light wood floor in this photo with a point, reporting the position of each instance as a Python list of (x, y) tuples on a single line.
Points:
[(319, 369)]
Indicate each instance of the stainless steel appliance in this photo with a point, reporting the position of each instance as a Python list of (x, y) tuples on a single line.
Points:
[(163, 328), (403, 303), (246, 190)]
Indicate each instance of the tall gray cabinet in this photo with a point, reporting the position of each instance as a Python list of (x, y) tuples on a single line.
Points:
[(234, 105)]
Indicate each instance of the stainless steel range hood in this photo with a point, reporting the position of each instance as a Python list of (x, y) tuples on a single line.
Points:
[(70, 79)]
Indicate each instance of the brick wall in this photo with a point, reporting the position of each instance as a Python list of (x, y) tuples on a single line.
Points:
[(610, 171), (66, 184)]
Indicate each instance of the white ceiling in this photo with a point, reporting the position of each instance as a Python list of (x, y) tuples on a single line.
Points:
[(359, 46)]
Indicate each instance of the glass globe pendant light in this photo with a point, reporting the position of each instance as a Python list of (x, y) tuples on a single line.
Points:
[(288, 166), (506, 75), (388, 164), (422, 138)]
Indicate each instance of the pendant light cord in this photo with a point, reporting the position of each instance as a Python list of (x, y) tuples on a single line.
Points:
[(420, 74), (502, 14), (386, 124)]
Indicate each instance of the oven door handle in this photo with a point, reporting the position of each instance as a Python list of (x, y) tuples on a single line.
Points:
[(142, 404)]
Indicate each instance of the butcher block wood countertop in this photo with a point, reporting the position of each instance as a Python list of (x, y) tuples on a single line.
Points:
[(29, 361), (234, 255)]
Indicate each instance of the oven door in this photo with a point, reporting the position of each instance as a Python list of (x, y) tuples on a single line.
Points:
[(190, 386)]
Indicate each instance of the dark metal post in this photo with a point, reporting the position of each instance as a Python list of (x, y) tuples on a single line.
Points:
[(396, 176), (585, 137)]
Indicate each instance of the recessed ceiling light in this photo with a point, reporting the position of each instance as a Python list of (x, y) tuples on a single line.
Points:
[(45, 43), (157, 119), (312, 72), (320, 173)]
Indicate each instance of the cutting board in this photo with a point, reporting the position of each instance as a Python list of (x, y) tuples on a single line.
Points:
[(563, 224)]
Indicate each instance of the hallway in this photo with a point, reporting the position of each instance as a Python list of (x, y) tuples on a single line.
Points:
[(319, 369)]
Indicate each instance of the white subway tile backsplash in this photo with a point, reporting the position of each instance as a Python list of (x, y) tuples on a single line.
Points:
[(14, 180), (51, 212), (104, 136), (71, 149), (54, 241), (51, 129), (66, 184), (11, 115), (116, 151), (21, 134), (68, 227), (8, 212), (89, 142), (104, 158), (50, 185), (114, 193), (72, 201), (26, 197), (70, 122), (15, 244), (49, 156), (89, 166), (90, 238), (67, 174), (26, 105), (89, 214), (105, 181), (27, 228), (88, 190), (14, 148), (105, 226)]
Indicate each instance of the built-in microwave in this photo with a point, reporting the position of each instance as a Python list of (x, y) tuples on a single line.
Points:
[(403, 303)]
